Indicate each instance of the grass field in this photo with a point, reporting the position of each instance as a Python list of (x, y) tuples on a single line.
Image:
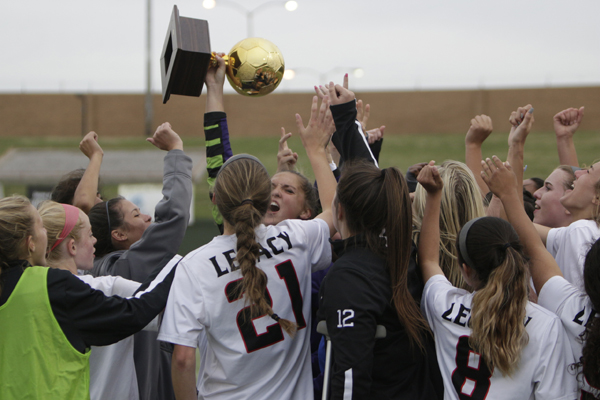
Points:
[(399, 150)]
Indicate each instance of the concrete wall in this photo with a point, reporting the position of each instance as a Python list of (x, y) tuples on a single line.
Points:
[(402, 112)]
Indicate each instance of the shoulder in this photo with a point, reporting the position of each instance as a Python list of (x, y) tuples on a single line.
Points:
[(316, 224), (540, 319), (555, 292), (218, 243), (313, 233), (62, 283), (583, 227), (439, 293), (61, 275)]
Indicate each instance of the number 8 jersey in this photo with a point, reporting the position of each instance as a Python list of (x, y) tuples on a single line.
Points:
[(249, 358), (543, 371)]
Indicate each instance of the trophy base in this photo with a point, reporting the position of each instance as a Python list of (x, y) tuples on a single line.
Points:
[(185, 57)]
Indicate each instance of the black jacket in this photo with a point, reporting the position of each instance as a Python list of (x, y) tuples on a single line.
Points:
[(355, 297)]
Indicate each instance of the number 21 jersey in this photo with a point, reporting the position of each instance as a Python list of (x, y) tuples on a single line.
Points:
[(249, 358)]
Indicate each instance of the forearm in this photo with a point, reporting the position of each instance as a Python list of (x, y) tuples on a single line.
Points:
[(541, 263), (87, 190), (496, 209), (567, 154), (164, 236), (214, 98), (473, 159), (348, 137), (515, 159), (183, 373), (218, 150), (429, 239), (100, 320), (326, 182)]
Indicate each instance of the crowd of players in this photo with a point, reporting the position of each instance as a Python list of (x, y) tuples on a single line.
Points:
[(487, 285)]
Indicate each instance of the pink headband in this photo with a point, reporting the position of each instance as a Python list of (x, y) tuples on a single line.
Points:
[(71, 218)]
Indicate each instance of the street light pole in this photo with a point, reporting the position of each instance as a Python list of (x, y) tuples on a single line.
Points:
[(149, 109), (290, 5)]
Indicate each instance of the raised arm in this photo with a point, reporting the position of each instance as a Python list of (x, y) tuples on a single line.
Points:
[(315, 137), (566, 123), (504, 184), (214, 80), (481, 127), (349, 138), (429, 239), (86, 194), (521, 121), (161, 240), (216, 130)]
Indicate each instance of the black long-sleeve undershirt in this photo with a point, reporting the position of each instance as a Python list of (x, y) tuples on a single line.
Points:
[(88, 317)]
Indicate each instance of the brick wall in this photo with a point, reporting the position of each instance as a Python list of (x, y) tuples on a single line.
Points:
[(402, 112)]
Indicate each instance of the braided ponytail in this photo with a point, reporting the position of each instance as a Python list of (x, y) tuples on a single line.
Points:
[(243, 195)]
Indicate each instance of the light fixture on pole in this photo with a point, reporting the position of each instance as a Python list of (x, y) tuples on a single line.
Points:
[(289, 5)]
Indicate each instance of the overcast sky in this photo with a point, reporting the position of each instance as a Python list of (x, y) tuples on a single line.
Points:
[(99, 46)]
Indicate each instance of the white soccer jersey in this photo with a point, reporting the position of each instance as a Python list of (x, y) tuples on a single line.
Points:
[(574, 309), (257, 360), (569, 245), (112, 369), (543, 369)]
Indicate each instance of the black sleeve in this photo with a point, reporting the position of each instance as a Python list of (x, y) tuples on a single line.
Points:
[(89, 318), (411, 181), (376, 149), (350, 305), (218, 150), (349, 139)]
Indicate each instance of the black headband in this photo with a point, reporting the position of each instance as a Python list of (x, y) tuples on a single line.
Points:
[(240, 157), (462, 241)]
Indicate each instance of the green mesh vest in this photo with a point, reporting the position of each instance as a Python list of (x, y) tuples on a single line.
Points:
[(36, 359)]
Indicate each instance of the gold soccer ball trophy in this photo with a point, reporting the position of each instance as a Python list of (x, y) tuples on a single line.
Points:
[(255, 67)]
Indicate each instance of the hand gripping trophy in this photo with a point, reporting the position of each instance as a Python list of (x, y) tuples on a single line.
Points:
[(255, 66)]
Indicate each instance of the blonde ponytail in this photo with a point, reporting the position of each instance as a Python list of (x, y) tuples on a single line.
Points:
[(498, 315), (491, 247)]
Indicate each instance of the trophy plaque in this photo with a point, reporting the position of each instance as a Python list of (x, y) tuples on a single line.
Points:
[(185, 56)]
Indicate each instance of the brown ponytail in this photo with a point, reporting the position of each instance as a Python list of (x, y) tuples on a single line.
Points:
[(590, 358), (243, 195), (377, 202), (498, 310)]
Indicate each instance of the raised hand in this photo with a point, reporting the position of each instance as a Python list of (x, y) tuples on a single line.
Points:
[(214, 80), (430, 179), (89, 145), (499, 177), (286, 158), (316, 134), (362, 114), (567, 121), (521, 121), (165, 138), (340, 94), (376, 134), (481, 127), (215, 75)]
